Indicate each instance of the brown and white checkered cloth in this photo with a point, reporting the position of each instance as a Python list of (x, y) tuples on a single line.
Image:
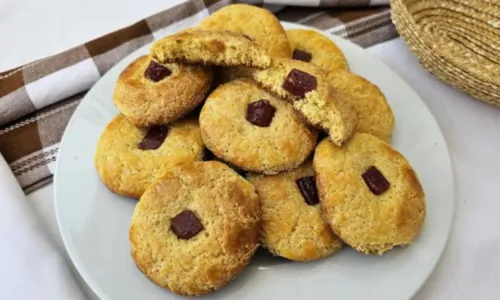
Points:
[(38, 99)]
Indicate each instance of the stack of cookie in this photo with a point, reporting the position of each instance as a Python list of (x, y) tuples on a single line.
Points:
[(247, 170)]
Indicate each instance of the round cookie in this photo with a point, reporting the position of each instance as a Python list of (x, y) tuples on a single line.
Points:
[(311, 46), (256, 23), (231, 133), (196, 228), (126, 169), (292, 226), (374, 113), (369, 193), (149, 93)]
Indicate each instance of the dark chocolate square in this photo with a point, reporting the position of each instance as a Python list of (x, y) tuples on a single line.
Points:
[(154, 138), (260, 113), (156, 72), (298, 83), (307, 187), (185, 225), (376, 181)]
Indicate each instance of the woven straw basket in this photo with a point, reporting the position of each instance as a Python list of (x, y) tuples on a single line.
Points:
[(457, 40)]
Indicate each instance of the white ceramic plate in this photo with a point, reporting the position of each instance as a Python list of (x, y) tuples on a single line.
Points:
[(94, 222)]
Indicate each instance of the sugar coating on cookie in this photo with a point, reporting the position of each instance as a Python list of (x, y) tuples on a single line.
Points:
[(229, 130), (196, 228), (129, 158), (307, 87), (291, 227), (374, 113), (220, 48), (313, 47), (369, 193), (256, 23), (149, 93)]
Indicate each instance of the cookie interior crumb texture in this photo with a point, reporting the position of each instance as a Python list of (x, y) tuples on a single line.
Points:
[(256, 23), (228, 209), (221, 48), (322, 107), (369, 223), (283, 145)]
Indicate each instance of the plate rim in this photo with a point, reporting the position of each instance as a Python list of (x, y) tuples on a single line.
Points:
[(95, 287)]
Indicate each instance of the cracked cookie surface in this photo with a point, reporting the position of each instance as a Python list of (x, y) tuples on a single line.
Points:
[(307, 87)]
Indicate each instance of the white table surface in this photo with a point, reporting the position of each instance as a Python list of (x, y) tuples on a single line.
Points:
[(470, 266)]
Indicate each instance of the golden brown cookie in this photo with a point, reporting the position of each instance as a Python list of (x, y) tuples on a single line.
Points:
[(307, 87), (149, 93), (246, 126), (292, 226), (220, 48), (256, 23), (311, 46), (374, 113), (369, 193), (129, 158), (196, 228)]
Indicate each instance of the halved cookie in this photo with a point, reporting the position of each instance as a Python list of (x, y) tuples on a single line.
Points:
[(254, 22), (307, 87), (221, 48), (257, 23)]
